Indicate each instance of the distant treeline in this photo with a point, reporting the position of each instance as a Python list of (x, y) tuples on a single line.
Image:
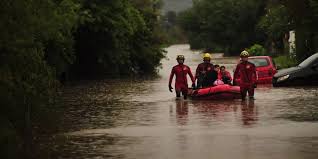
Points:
[(43, 41), (176, 5), (233, 25)]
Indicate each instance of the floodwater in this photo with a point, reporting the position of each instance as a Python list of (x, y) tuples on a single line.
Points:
[(141, 119)]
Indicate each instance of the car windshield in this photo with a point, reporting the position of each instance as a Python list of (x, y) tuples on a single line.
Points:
[(309, 60), (259, 62)]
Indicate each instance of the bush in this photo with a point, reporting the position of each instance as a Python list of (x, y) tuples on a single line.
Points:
[(257, 50), (285, 61)]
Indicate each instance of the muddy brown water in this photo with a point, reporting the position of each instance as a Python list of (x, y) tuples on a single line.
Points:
[(141, 119)]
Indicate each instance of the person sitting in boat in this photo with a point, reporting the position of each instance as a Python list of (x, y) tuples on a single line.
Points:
[(225, 75), (217, 68), (205, 73), (181, 71)]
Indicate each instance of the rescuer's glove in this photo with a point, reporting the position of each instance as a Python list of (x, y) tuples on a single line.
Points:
[(170, 88)]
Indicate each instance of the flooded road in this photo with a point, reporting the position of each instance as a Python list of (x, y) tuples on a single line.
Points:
[(140, 119)]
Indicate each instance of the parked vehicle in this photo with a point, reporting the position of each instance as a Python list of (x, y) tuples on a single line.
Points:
[(265, 69), (306, 73)]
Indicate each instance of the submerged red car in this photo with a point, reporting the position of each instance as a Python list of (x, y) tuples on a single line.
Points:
[(265, 69)]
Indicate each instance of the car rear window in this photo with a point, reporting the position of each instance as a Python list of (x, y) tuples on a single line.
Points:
[(260, 62)]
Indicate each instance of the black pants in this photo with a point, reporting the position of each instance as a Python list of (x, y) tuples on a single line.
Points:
[(184, 93)]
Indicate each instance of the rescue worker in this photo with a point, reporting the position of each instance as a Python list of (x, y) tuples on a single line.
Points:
[(181, 71), (247, 71), (225, 75), (205, 73)]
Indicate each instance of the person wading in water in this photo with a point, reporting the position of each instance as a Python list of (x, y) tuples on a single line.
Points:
[(181, 71), (247, 72)]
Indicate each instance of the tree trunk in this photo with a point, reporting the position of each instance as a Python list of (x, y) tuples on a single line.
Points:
[(301, 40), (286, 44), (27, 130)]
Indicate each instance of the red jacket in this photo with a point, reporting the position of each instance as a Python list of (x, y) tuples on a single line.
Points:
[(226, 74), (247, 71), (204, 68), (206, 73), (181, 72)]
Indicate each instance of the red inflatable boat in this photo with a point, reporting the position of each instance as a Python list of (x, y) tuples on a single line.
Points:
[(224, 91)]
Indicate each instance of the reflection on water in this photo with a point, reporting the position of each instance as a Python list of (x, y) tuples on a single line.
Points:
[(141, 119), (182, 110), (249, 112)]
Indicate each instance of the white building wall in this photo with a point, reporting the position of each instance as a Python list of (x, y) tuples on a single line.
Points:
[(292, 43)]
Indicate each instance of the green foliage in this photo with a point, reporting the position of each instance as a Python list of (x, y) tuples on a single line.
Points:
[(283, 16), (257, 50), (41, 39), (285, 61), (227, 24), (59, 46), (171, 30), (118, 37), (31, 34), (27, 28), (176, 35), (314, 7), (276, 22)]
